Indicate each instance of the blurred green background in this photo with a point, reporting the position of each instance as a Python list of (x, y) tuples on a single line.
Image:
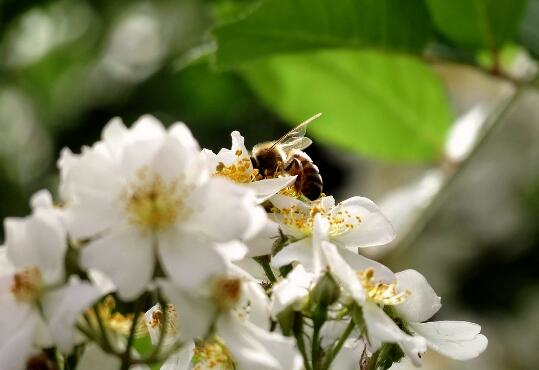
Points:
[(430, 108)]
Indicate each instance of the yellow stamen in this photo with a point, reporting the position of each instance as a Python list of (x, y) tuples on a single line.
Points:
[(227, 292), (240, 171), (152, 203), (114, 321), (27, 285), (212, 354), (381, 293), (340, 220)]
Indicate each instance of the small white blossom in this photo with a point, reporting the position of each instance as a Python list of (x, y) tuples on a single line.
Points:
[(36, 309), (356, 222), (145, 193), (241, 310), (235, 164), (370, 292), (459, 340)]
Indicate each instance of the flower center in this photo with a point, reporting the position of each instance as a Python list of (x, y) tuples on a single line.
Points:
[(27, 285), (340, 220), (113, 320), (381, 293), (212, 355), (152, 203), (240, 171), (227, 292)]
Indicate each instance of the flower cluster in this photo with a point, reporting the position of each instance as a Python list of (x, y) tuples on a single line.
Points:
[(159, 253)]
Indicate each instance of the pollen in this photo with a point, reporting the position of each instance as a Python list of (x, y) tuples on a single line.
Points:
[(340, 220), (212, 355), (227, 292), (114, 321), (152, 203), (157, 317), (381, 293), (27, 285), (240, 171)]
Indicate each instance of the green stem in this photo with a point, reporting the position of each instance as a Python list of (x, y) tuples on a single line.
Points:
[(102, 328), (335, 351), (315, 355), (264, 261), (126, 358), (373, 360), (298, 334), (454, 172)]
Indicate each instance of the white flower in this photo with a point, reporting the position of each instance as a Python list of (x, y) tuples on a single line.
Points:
[(370, 290), (240, 309), (356, 222), (145, 193), (36, 309), (293, 290), (235, 164), (459, 340)]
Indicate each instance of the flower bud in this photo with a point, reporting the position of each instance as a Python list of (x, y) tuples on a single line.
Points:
[(326, 291)]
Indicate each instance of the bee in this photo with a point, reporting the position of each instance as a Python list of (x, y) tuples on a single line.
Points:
[(286, 156)]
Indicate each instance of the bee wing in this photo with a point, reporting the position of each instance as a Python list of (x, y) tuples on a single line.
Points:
[(295, 138), (299, 143)]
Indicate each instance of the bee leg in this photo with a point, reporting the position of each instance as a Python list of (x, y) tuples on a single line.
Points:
[(295, 168)]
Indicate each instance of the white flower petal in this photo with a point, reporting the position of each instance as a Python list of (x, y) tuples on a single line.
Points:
[(255, 348), (459, 340), (6, 267), (181, 132), (180, 360), (300, 251), (253, 268), (94, 358), (361, 263), (195, 313), (17, 346), (258, 302), (265, 189), (381, 328), (233, 250), (189, 259), (173, 160), (228, 156), (374, 228), (320, 235), (422, 303), (262, 243), (224, 211), (114, 135), (41, 199), (126, 256), (147, 127), (63, 306), (344, 275), (349, 356), (290, 290), (37, 240)]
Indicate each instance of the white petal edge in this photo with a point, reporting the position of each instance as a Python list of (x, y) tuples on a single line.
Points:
[(459, 340), (422, 303), (126, 257)]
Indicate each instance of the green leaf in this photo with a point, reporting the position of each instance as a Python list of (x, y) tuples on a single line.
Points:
[(387, 106), (529, 32), (477, 23), (278, 26)]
